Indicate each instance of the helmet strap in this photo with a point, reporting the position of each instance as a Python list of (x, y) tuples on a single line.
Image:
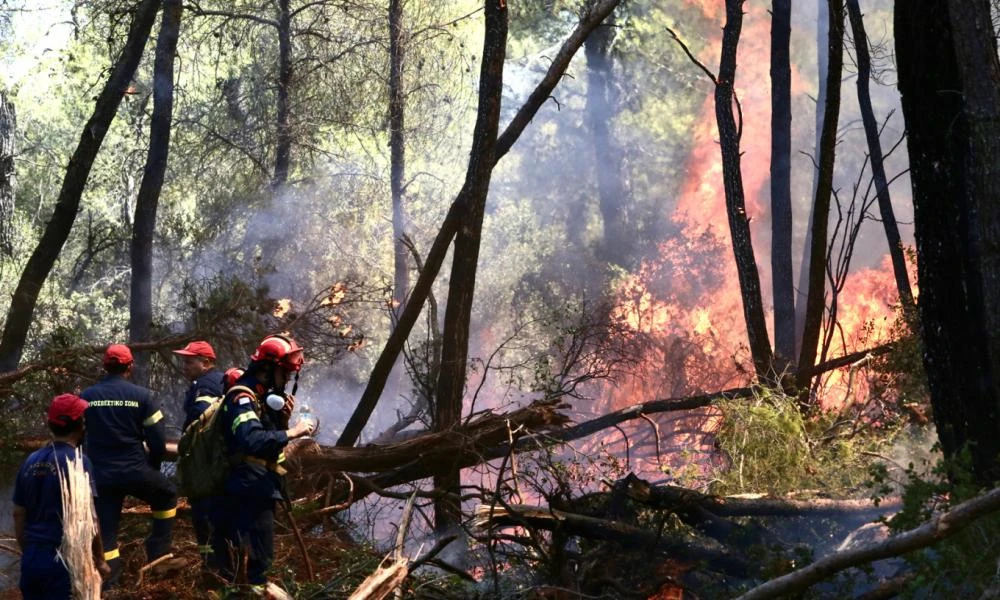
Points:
[(295, 386)]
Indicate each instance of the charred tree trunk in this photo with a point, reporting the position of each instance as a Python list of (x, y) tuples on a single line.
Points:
[(816, 298), (461, 291), (8, 129), (397, 159), (739, 224), (612, 190), (147, 201), (283, 146), (439, 249), (822, 71), (875, 154), (956, 348), (36, 271), (782, 285), (979, 72), (979, 69)]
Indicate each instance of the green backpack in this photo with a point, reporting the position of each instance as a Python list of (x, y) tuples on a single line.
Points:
[(202, 462)]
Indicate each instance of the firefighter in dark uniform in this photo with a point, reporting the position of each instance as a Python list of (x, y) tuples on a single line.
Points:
[(206, 387), (256, 432), (38, 510), (125, 442)]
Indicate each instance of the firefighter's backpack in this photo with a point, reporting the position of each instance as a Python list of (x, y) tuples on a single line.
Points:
[(202, 463)]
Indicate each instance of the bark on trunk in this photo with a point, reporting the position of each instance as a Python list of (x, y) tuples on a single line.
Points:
[(979, 72), (822, 71), (461, 291), (739, 224), (147, 200), (782, 284), (397, 151), (283, 145), (8, 131), (439, 249), (956, 350), (36, 271), (816, 300), (875, 155)]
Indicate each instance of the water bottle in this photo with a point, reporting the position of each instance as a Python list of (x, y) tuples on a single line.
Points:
[(305, 414)]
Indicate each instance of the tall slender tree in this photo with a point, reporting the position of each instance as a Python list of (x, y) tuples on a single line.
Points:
[(36, 271), (8, 130), (888, 215), (397, 154), (739, 225), (147, 201), (614, 197), (816, 298), (782, 279), (465, 259)]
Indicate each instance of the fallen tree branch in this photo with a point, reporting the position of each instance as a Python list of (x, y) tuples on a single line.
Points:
[(940, 527), (670, 497), (493, 517)]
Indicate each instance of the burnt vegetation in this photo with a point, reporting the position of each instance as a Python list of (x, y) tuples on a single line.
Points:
[(619, 389)]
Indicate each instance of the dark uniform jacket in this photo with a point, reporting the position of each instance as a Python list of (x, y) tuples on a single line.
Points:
[(37, 489), (121, 416), (200, 395), (255, 438)]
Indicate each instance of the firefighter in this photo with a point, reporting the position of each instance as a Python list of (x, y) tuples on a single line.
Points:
[(206, 387), (125, 441), (38, 505), (256, 433)]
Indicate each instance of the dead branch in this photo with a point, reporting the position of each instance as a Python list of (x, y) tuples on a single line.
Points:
[(940, 527), (437, 450), (382, 582), (675, 498), (494, 517)]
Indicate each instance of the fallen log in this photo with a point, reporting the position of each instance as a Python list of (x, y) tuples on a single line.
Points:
[(674, 498), (938, 528), (680, 546)]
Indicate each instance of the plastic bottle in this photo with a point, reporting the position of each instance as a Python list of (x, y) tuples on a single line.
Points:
[(305, 414)]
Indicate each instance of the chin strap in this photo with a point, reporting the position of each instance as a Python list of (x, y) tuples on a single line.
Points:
[(295, 386)]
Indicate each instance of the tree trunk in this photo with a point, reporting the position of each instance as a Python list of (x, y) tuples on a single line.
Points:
[(875, 154), (283, 146), (439, 249), (144, 224), (951, 308), (612, 190), (782, 284), (461, 291), (36, 271), (397, 151), (979, 72), (822, 71), (816, 297), (8, 131), (739, 224)]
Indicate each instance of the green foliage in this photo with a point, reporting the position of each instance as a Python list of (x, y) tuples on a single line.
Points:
[(963, 565), (772, 448)]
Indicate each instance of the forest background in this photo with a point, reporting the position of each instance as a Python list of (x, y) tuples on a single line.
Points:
[(288, 166)]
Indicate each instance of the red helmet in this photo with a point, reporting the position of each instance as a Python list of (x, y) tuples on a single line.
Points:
[(230, 376), (281, 350)]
